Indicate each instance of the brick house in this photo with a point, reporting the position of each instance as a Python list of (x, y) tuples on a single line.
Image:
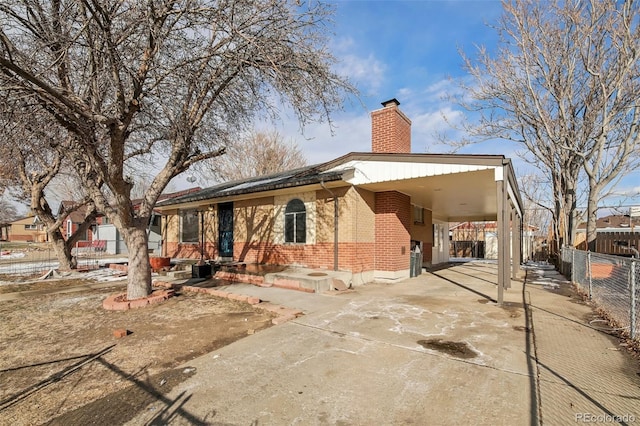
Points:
[(26, 229), (73, 220), (363, 212)]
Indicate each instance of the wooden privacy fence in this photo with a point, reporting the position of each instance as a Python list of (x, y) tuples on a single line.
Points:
[(606, 242)]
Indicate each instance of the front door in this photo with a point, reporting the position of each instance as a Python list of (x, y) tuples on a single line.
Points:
[(225, 230)]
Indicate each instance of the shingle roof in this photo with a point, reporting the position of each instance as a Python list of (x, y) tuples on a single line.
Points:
[(612, 221), (291, 178)]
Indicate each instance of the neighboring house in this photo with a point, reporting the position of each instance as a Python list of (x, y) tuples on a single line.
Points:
[(610, 230), (28, 229), (468, 239), (362, 212), (73, 220), (480, 240)]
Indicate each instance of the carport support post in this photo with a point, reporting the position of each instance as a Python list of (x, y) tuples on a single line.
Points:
[(501, 197), (573, 257), (506, 252), (517, 244), (633, 323)]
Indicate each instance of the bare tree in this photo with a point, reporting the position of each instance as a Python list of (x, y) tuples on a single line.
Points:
[(257, 154), (8, 211), (37, 151), (162, 85), (564, 84)]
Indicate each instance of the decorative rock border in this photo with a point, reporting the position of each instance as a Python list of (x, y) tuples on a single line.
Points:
[(240, 278), (284, 314), (224, 294), (119, 302)]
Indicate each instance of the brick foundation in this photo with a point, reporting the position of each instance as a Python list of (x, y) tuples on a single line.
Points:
[(354, 257)]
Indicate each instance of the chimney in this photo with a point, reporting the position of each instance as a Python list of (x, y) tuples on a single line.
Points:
[(390, 129)]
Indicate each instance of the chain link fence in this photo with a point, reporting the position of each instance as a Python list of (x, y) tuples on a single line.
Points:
[(612, 282), (31, 259)]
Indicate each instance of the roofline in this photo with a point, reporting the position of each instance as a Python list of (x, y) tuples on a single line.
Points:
[(326, 177), (474, 159)]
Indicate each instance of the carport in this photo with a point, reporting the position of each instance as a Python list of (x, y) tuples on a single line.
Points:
[(455, 188)]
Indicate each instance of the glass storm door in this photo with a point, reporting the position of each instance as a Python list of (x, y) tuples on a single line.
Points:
[(225, 230)]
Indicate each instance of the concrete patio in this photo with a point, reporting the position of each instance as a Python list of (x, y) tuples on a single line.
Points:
[(435, 349)]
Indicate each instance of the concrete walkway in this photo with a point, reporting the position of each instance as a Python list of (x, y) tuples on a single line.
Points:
[(435, 349), (585, 375)]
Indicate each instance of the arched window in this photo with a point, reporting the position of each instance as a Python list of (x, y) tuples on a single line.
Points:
[(295, 222)]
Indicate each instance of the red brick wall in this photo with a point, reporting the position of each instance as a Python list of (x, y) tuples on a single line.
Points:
[(191, 251), (355, 257), (393, 221), (390, 130)]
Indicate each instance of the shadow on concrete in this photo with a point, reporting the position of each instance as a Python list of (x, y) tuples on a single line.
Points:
[(474, 291), (457, 270), (480, 267), (532, 357), (583, 393)]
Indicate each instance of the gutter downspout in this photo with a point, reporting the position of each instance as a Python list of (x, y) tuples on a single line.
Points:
[(335, 225), (163, 237)]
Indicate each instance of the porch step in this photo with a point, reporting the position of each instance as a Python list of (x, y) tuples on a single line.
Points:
[(179, 274), (309, 280)]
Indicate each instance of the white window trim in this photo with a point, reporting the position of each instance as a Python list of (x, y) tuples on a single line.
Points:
[(280, 204), (180, 225)]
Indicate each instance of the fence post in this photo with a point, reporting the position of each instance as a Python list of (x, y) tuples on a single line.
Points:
[(632, 286), (589, 274)]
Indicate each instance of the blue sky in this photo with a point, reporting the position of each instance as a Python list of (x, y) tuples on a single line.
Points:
[(406, 50)]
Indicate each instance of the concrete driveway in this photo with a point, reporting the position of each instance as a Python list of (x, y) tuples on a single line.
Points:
[(434, 349)]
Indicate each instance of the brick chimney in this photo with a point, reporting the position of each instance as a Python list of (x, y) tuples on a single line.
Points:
[(390, 129)]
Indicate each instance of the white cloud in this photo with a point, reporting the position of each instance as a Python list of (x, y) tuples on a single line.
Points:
[(351, 133), (367, 72)]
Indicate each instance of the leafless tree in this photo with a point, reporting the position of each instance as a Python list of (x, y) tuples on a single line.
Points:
[(8, 211), (257, 154), (564, 83), (37, 153), (162, 85)]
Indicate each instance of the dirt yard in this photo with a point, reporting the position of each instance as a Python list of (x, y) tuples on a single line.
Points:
[(61, 363)]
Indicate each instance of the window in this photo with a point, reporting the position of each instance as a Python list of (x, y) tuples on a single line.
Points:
[(295, 222), (189, 226), (30, 227), (418, 215), (69, 228)]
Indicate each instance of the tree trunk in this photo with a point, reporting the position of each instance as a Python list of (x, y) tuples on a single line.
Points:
[(66, 260), (592, 215), (139, 272)]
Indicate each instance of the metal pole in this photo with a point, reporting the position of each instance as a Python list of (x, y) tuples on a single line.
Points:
[(201, 236), (632, 318), (589, 274), (501, 231)]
